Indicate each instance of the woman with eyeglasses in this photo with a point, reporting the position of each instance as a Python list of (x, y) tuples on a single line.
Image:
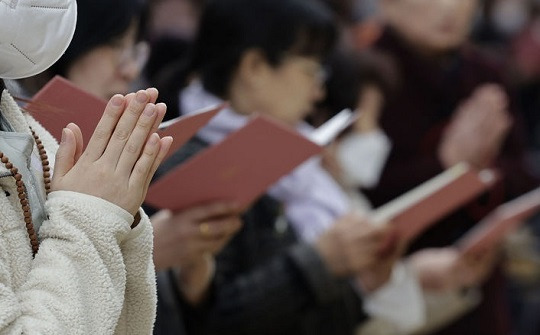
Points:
[(302, 263), (106, 55)]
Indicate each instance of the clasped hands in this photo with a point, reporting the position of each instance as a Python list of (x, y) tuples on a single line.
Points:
[(122, 155)]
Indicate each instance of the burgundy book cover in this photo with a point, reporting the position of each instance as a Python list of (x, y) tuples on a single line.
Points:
[(184, 127), (60, 102), (423, 206), (505, 218), (240, 168)]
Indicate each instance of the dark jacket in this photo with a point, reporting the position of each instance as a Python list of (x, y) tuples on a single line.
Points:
[(428, 92), (267, 282)]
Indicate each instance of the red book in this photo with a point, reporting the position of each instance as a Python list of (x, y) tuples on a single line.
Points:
[(416, 210), (60, 102), (240, 168), (184, 127), (496, 225)]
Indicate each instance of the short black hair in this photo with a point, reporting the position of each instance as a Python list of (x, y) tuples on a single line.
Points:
[(229, 28), (99, 22)]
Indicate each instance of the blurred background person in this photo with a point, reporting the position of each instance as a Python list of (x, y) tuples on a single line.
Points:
[(106, 54), (291, 267), (450, 106), (364, 81)]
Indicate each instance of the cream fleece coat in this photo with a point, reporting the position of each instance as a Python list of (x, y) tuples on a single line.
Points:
[(92, 274)]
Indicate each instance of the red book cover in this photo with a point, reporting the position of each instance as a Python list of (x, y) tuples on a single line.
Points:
[(496, 225), (240, 168), (416, 210), (184, 127), (60, 102)]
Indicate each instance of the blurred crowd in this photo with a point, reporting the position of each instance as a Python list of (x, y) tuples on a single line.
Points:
[(437, 83)]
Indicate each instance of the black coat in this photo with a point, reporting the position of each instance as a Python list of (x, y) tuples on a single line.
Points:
[(266, 282)]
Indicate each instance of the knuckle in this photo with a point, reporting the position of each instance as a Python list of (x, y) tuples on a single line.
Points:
[(121, 134), (101, 135), (149, 152), (132, 148), (145, 123), (140, 169), (134, 109)]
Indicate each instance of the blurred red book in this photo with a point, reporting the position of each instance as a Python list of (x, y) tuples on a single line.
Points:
[(60, 102), (240, 168), (496, 225), (421, 207)]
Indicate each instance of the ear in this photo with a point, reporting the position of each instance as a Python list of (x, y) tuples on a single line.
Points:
[(253, 67)]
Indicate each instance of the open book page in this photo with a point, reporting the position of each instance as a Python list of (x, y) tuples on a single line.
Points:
[(328, 131), (416, 210), (496, 225), (240, 168)]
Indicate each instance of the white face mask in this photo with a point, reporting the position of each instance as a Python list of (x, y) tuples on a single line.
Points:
[(34, 34), (362, 157)]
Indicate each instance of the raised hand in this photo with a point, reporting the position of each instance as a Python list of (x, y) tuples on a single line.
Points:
[(187, 237), (446, 269), (352, 245), (477, 129), (122, 155)]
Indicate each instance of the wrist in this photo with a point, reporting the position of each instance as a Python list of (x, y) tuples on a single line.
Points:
[(194, 278)]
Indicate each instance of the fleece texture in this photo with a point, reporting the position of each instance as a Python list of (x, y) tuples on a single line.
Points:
[(93, 274)]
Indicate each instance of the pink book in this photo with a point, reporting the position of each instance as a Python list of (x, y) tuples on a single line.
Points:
[(60, 102), (240, 168), (418, 209), (496, 225)]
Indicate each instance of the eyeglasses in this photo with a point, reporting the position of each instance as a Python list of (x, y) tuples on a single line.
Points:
[(311, 67), (137, 53)]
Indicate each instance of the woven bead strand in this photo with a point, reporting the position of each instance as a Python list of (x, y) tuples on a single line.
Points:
[(21, 189)]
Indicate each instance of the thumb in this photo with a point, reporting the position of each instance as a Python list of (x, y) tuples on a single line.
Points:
[(78, 140), (65, 156)]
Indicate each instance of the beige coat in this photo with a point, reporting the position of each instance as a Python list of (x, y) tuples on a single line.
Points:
[(92, 274)]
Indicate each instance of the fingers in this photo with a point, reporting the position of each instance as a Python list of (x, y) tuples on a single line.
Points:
[(212, 210), (142, 167), (100, 138), (219, 228), (161, 110), (78, 139), (65, 156), (165, 145), (137, 138), (152, 94), (137, 113)]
